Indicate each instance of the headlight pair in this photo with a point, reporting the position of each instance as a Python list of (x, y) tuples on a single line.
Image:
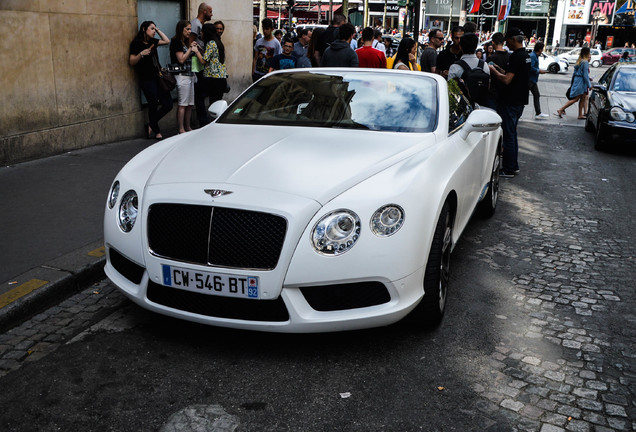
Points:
[(619, 114), (338, 231), (128, 207)]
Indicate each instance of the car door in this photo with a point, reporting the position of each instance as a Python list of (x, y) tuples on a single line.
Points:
[(598, 97), (473, 166)]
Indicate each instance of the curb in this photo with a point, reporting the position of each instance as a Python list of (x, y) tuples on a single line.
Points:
[(78, 270)]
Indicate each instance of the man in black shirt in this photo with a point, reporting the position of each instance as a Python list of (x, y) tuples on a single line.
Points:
[(428, 61), (499, 58), (513, 99), (451, 54)]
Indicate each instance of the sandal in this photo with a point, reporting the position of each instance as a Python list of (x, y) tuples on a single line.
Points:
[(559, 113)]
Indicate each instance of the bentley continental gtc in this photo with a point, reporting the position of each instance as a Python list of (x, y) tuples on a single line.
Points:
[(319, 200)]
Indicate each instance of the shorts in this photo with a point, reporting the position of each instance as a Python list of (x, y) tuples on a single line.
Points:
[(185, 90)]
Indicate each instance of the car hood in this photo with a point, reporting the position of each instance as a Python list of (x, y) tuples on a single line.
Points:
[(317, 163), (625, 100)]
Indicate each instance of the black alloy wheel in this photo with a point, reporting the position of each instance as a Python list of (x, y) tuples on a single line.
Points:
[(487, 206), (430, 310)]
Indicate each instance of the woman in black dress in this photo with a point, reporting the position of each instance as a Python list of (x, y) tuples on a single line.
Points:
[(143, 57)]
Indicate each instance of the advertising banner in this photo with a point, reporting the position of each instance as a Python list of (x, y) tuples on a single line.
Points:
[(442, 7), (577, 12), (534, 6), (607, 11)]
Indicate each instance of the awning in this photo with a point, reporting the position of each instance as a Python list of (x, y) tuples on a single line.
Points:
[(325, 8)]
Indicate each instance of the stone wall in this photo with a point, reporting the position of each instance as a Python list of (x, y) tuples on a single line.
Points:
[(66, 82)]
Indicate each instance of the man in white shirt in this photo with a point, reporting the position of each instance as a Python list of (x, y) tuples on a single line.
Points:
[(377, 42), (468, 44)]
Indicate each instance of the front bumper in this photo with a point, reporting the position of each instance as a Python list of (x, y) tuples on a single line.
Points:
[(298, 309)]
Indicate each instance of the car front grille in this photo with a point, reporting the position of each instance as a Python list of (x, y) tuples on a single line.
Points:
[(216, 236), (217, 306)]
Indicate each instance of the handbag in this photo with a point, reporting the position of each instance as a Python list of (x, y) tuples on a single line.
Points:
[(165, 80)]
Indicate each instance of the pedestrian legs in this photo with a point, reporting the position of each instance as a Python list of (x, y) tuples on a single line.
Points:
[(534, 89), (510, 115), (156, 96), (200, 93)]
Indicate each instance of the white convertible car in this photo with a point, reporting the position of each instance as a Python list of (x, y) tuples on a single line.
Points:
[(319, 200)]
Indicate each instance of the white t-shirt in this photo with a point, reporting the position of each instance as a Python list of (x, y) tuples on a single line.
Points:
[(456, 71), (379, 46)]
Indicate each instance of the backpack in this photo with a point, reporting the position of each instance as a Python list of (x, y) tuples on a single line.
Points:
[(476, 82)]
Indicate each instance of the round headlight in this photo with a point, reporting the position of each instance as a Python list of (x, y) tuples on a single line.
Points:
[(630, 117), (128, 211), (336, 232), (617, 113), (387, 220), (114, 194)]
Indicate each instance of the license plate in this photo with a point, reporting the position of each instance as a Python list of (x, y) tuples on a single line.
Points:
[(210, 283)]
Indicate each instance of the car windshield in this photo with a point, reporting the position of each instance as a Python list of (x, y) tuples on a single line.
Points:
[(625, 80), (387, 101)]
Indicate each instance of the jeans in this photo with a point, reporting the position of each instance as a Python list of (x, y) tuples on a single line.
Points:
[(510, 115), (155, 97), (534, 89)]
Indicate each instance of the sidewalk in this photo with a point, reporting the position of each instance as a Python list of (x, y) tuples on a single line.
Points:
[(552, 89), (51, 225)]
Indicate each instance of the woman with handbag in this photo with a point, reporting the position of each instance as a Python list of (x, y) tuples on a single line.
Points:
[(580, 85), (181, 51), (213, 61), (143, 57)]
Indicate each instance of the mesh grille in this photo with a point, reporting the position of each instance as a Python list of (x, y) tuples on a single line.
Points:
[(216, 306), (246, 239), (237, 238), (346, 296)]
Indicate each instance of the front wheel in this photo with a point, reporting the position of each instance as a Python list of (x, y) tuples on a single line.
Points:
[(431, 308), (600, 140), (487, 206), (596, 63), (589, 127), (553, 68)]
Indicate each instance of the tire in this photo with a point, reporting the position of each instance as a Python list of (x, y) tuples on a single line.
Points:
[(600, 140), (553, 68), (430, 311), (596, 63), (487, 206), (589, 127)]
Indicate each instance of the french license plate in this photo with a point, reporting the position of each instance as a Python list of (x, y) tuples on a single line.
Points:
[(210, 283)]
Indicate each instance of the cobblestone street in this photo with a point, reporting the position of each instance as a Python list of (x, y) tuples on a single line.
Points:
[(554, 269)]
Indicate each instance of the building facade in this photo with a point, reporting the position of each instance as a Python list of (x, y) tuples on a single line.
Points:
[(71, 86)]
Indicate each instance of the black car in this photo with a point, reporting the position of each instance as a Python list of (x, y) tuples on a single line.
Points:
[(612, 105)]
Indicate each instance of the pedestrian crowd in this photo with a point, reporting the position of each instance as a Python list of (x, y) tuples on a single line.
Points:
[(197, 70), (499, 76)]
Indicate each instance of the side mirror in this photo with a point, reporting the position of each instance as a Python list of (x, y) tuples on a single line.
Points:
[(481, 120), (217, 108), (600, 87)]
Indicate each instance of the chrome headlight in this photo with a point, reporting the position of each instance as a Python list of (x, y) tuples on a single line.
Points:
[(617, 113), (336, 232), (387, 220), (114, 194), (128, 210)]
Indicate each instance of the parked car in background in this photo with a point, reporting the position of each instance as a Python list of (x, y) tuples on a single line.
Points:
[(319, 200), (572, 56), (612, 105), (552, 64), (613, 55)]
